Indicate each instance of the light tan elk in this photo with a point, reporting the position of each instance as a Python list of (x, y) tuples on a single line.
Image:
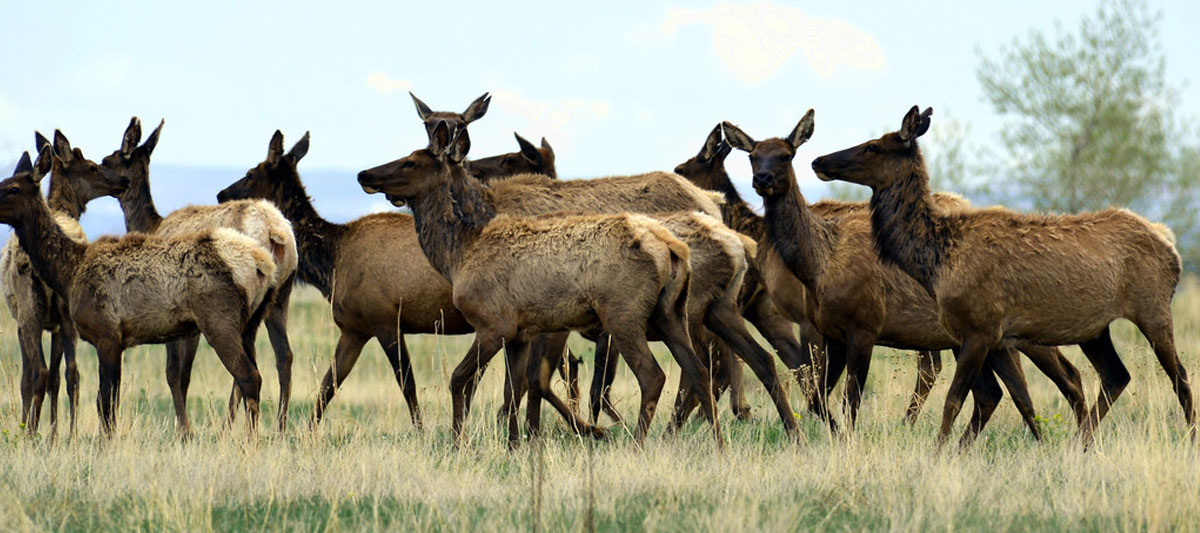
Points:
[(998, 276), (856, 302), (259, 220), (74, 181), (517, 276), (144, 289)]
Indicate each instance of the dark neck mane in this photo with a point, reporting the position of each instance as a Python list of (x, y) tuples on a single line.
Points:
[(53, 254), (908, 232), (317, 239), (737, 213), (64, 198), (804, 240), (449, 217), (138, 204)]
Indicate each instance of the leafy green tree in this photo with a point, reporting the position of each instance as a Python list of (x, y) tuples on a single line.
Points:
[(1092, 121)]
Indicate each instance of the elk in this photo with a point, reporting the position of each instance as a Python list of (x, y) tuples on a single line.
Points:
[(529, 160), (259, 220), (516, 276), (999, 276), (773, 295), (456, 121), (74, 181), (856, 302), (140, 289)]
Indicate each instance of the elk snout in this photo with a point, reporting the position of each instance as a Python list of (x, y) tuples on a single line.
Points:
[(223, 196), (763, 181), (368, 182), (820, 166)]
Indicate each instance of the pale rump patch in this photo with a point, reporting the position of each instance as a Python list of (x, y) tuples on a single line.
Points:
[(252, 268)]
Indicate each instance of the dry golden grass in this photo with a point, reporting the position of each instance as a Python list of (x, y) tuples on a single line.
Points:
[(367, 468)]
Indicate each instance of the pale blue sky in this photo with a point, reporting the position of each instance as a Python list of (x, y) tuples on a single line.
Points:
[(626, 87)]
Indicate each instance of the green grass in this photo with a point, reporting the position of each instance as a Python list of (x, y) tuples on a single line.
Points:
[(367, 468)]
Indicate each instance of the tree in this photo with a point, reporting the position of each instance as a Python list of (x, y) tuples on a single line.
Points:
[(1092, 120)]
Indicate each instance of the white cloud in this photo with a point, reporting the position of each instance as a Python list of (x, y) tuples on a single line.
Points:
[(756, 39), (381, 206), (549, 117), (385, 84)]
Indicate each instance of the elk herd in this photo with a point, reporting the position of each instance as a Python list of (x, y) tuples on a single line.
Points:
[(500, 248)]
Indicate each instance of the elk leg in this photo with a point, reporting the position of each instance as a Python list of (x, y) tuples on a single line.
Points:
[(276, 319), (397, 355), (730, 327), (858, 364), (605, 371), (649, 375), (33, 373), (827, 372), (549, 349), (109, 397), (1114, 377), (987, 394), (248, 335), (465, 375), (1066, 377), (70, 338), (674, 335), (929, 365), (53, 378), (349, 347), (971, 358), (1162, 338), (1007, 365), (180, 356), (229, 343)]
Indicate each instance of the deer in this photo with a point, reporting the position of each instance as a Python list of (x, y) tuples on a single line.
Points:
[(999, 277), (74, 181), (141, 288), (260, 220), (856, 302), (514, 276)]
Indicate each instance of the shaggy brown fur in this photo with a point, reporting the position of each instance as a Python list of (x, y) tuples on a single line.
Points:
[(74, 181), (517, 276), (529, 160), (142, 289), (998, 276), (258, 220), (857, 303)]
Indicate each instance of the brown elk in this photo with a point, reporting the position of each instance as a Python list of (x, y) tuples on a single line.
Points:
[(529, 160), (856, 302), (456, 121), (515, 276), (997, 275), (144, 289), (74, 181), (257, 219), (774, 297)]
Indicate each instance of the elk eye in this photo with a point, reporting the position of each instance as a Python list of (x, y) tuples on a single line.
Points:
[(507, 160), (14, 190), (407, 165), (872, 149)]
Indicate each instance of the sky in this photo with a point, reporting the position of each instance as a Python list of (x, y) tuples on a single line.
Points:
[(624, 88)]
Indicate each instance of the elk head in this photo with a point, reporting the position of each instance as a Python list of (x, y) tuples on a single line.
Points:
[(771, 160), (707, 168), (876, 162), (132, 160), (86, 179), (265, 179), (422, 171), (20, 193), (455, 121), (529, 160)]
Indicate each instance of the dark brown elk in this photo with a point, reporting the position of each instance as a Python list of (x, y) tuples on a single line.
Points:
[(515, 276), (999, 276), (529, 160), (456, 121), (856, 301), (74, 181), (257, 219), (144, 289)]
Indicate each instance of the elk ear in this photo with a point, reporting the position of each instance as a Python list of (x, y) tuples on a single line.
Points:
[(547, 148), (926, 118), (738, 138), (299, 150), (477, 108), (910, 127), (723, 150), (459, 147), (62, 147), (23, 164), (439, 138), (710, 144), (528, 150), (44, 162), (803, 130), (275, 149), (40, 142), (423, 110), (152, 140), (133, 135)]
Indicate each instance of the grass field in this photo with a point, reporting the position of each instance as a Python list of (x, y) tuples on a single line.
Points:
[(366, 467)]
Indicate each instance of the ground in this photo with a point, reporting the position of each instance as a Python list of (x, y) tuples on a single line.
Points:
[(367, 468)]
